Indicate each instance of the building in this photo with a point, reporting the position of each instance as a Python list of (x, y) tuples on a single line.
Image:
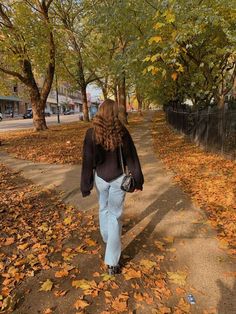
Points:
[(16, 102), (13, 104)]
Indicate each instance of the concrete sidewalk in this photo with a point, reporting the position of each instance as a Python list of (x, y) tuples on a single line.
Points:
[(162, 210)]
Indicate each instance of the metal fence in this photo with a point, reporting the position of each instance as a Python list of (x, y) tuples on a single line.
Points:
[(214, 129)]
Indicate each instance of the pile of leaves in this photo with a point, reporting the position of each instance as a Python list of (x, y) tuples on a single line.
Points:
[(59, 144), (51, 252), (209, 178)]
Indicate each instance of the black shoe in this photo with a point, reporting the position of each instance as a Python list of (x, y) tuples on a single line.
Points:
[(113, 270)]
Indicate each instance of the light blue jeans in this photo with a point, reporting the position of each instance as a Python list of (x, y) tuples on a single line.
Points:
[(111, 203)]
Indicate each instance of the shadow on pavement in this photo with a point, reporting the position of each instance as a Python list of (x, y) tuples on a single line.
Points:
[(227, 303)]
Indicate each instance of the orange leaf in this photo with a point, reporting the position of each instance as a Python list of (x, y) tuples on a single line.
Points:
[(9, 241), (81, 304)]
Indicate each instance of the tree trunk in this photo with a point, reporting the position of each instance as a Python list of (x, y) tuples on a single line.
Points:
[(116, 94), (221, 101), (140, 102), (85, 103), (122, 101), (38, 116), (105, 93), (38, 107)]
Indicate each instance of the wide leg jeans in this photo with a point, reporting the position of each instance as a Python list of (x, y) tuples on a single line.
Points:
[(111, 203)]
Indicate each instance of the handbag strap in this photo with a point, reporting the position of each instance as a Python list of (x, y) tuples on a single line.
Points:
[(121, 159)]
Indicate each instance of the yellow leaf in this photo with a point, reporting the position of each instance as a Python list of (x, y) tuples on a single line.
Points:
[(83, 284), (170, 17), (150, 68), (90, 242), (23, 246), (68, 220), (81, 304), (144, 71), (131, 273), (178, 277), (47, 311), (147, 264), (47, 285), (106, 277), (147, 59), (174, 76), (155, 39), (158, 25), (80, 249)]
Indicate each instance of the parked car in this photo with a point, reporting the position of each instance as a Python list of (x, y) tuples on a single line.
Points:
[(0, 116), (28, 114), (69, 111)]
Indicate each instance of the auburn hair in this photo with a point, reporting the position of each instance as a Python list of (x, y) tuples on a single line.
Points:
[(108, 129)]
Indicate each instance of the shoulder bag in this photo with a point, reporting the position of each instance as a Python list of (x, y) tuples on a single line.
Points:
[(128, 182)]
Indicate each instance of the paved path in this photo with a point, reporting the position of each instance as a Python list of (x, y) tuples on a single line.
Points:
[(20, 123), (161, 210)]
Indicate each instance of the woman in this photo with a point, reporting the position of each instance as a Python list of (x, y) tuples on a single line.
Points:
[(102, 149)]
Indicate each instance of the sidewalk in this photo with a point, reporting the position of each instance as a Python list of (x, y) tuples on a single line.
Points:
[(161, 213)]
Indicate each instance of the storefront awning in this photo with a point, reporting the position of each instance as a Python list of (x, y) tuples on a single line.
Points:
[(10, 98)]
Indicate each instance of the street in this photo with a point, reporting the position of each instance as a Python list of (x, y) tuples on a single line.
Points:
[(18, 124)]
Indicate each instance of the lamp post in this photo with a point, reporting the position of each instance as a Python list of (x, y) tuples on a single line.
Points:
[(58, 108)]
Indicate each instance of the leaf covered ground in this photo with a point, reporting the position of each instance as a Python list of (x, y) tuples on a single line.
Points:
[(209, 178), (59, 144), (52, 260)]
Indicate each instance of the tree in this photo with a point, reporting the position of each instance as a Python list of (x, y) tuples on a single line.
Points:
[(72, 24), (26, 34), (192, 48)]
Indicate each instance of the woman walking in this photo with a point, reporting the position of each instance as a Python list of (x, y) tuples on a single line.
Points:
[(108, 148)]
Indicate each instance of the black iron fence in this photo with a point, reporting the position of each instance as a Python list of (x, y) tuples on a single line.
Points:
[(214, 129)]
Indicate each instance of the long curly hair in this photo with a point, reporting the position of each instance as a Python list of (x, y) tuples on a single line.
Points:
[(108, 130)]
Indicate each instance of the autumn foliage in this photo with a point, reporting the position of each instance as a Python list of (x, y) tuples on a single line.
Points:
[(209, 178)]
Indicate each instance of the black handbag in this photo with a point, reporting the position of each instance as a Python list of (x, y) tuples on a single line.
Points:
[(128, 182)]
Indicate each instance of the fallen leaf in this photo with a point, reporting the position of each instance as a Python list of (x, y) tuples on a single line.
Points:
[(106, 277), (83, 284), (131, 274), (147, 263), (81, 304), (47, 285), (23, 246), (60, 293), (90, 242), (178, 277), (61, 273), (9, 241)]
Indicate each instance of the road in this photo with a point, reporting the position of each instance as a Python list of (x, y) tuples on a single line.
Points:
[(18, 124)]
